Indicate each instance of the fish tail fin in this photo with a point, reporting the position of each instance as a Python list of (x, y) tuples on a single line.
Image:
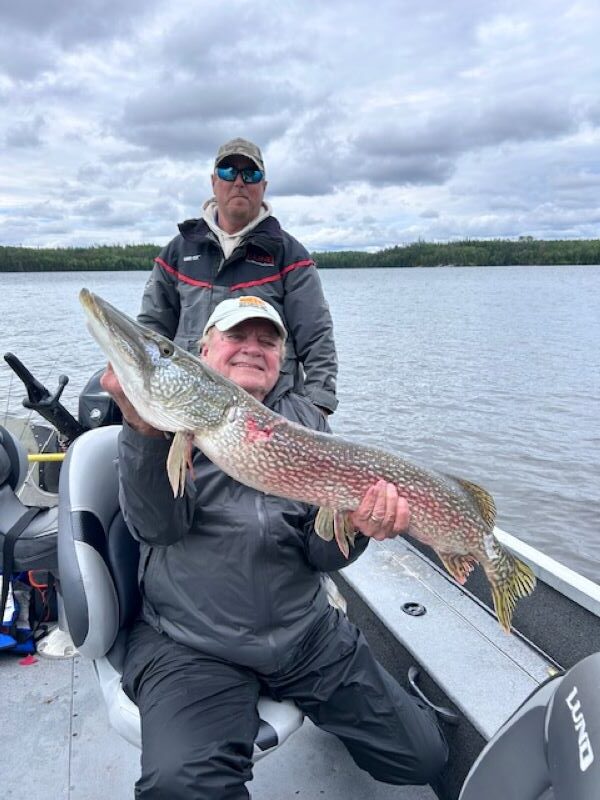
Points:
[(509, 580), (330, 522)]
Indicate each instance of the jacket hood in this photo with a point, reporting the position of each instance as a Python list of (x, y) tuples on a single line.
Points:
[(196, 229)]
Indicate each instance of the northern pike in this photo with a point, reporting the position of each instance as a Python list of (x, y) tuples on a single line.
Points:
[(175, 391)]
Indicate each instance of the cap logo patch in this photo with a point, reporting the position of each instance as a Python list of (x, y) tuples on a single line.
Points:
[(251, 301)]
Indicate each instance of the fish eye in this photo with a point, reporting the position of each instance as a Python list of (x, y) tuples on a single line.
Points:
[(166, 349)]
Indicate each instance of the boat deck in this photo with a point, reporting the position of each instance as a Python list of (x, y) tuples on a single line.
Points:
[(57, 743)]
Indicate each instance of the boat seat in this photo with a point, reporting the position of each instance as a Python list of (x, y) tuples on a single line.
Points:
[(35, 549), (98, 560)]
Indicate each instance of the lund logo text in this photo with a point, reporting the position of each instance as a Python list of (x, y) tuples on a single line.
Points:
[(586, 754)]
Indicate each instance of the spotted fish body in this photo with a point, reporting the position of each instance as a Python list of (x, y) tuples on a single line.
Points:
[(175, 391)]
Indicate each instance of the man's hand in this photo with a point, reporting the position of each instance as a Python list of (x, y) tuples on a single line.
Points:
[(110, 383), (382, 514)]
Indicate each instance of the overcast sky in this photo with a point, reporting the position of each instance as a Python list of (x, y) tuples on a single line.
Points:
[(381, 122)]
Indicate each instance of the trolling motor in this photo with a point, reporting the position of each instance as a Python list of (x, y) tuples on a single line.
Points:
[(96, 408), (47, 405), (550, 748)]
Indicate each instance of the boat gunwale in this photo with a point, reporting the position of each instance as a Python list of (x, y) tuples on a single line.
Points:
[(566, 581)]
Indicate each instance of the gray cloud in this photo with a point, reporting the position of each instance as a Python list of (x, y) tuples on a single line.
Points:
[(191, 118), (70, 23), (19, 60), (25, 133), (35, 33), (417, 121)]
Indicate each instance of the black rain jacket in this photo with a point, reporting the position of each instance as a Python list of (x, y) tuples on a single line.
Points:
[(226, 569), (191, 276)]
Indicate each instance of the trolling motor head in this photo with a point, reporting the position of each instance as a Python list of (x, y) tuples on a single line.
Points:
[(13, 460), (573, 732), (551, 743)]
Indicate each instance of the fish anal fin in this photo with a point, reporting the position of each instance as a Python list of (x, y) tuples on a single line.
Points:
[(179, 460), (459, 566), (482, 499)]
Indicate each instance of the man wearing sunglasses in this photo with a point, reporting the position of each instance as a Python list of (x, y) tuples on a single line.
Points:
[(237, 247)]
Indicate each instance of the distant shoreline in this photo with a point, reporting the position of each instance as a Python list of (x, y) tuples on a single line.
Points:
[(524, 251)]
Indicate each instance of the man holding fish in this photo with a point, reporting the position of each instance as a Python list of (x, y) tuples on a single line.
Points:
[(233, 600)]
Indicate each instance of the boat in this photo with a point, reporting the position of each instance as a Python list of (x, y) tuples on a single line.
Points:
[(518, 710)]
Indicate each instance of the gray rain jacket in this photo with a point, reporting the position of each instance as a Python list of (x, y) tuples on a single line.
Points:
[(191, 276), (225, 569)]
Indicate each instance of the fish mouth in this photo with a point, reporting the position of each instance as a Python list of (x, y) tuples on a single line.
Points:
[(103, 312), (151, 369), (133, 351), (124, 341)]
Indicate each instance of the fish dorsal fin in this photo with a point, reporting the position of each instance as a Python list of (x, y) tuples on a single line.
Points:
[(482, 499)]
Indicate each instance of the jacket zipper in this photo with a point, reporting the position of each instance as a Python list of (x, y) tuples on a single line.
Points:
[(263, 534)]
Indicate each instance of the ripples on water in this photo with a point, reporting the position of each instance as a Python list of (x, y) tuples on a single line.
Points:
[(492, 374)]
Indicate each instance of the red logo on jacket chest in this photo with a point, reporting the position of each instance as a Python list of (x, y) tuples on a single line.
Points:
[(259, 257)]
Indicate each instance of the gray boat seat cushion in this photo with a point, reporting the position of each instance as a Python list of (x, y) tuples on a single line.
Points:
[(98, 561), (98, 557)]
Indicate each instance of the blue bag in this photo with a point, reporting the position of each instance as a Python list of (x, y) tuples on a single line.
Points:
[(15, 595), (16, 633)]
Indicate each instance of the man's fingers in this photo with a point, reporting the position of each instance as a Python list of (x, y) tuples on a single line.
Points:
[(377, 506), (382, 513), (402, 518), (384, 507), (365, 508), (110, 382)]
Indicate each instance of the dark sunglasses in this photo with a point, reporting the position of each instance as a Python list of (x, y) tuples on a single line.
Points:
[(248, 174)]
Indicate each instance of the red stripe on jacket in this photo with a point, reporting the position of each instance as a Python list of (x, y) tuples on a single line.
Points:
[(308, 262), (180, 276)]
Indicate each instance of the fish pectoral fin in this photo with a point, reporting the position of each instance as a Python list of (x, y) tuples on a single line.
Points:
[(482, 499), (179, 460), (459, 566), (330, 523)]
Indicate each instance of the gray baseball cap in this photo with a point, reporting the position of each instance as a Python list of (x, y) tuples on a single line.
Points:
[(240, 147)]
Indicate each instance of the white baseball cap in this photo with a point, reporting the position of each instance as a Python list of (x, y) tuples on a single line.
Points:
[(235, 310)]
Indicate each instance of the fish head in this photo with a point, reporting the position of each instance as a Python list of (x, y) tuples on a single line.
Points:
[(170, 388)]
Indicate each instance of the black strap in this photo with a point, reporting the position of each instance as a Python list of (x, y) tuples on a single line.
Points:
[(41, 626), (8, 552)]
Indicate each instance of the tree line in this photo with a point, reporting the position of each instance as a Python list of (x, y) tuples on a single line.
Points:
[(468, 253)]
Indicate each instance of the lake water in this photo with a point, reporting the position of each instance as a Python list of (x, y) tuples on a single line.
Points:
[(489, 373)]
